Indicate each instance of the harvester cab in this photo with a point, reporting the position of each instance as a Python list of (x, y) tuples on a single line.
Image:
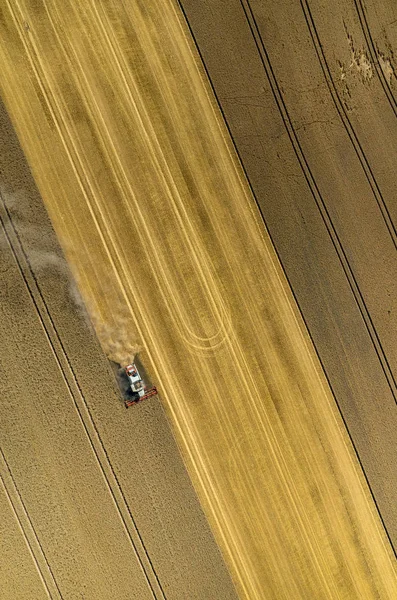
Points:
[(138, 389)]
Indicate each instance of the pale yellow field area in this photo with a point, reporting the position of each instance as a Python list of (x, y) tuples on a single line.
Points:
[(146, 194)]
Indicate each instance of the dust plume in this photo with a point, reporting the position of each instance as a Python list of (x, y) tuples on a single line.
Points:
[(112, 322), (117, 340), (115, 331)]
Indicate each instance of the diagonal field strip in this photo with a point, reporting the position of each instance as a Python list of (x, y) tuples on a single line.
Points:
[(319, 200), (144, 190), (202, 24), (82, 409)]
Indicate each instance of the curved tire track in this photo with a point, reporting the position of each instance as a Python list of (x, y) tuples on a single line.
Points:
[(292, 135)]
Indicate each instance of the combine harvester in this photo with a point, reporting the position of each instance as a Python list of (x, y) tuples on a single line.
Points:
[(139, 390)]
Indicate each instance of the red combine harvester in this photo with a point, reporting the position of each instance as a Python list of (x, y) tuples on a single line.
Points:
[(139, 390)]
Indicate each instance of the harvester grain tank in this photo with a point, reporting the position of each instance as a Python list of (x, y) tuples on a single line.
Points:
[(138, 388)]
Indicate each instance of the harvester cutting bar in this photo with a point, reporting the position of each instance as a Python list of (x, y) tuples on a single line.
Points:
[(151, 392)]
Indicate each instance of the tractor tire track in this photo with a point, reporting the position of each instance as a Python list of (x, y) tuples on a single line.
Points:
[(81, 406), (328, 224), (327, 221), (28, 530), (243, 518), (346, 122), (373, 51), (324, 214), (318, 197)]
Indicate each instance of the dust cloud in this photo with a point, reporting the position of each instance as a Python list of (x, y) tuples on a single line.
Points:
[(111, 320), (116, 331), (114, 328), (117, 340), (42, 261)]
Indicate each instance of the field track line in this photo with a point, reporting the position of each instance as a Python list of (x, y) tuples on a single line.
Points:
[(324, 214), (28, 531), (346, 122), (373, 51), (319, 200), (81, 406)]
